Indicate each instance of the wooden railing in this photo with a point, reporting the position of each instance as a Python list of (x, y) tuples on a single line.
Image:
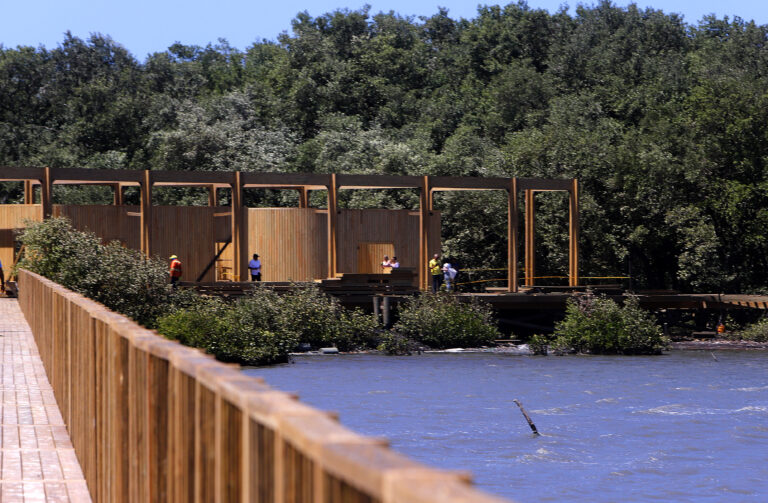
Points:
[(152, 420)]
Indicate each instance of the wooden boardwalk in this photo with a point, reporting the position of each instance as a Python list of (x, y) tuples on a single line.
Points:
[(37, 461)]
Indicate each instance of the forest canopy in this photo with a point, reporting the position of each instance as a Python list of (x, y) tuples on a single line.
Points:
[(664, 123)]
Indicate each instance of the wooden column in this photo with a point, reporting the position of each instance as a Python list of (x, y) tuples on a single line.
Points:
[(530, 251), (213, 197), (425, 208), (146, 212), (29, 194), (238, 227), (303, 197), (117, 194), (46, 193), (332, 221), (512, 236), (573, 234)]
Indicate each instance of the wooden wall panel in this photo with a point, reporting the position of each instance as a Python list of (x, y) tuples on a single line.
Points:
[(12, 217), (371, 255), (186, 231), (291, 242), (110, 223), (222, 225), (400, 227)]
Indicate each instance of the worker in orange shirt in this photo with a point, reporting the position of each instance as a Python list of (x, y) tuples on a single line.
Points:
[(175, 271)]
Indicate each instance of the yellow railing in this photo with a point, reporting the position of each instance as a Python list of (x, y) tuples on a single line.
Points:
[(152, 420)]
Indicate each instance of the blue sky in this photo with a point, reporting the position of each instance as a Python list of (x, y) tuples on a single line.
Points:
[(145, 26)]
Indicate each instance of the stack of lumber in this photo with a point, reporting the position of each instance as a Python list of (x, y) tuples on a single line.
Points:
[(398, 281)]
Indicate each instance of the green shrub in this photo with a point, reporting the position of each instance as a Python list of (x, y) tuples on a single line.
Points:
[(441, 321), (321, 321), (598, 325), (120, 278), (264, 327), (757, 332), (539, 344), (394, 343), (196, 325), (234, 333)]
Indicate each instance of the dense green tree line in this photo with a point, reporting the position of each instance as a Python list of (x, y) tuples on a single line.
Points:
[(665, 123)]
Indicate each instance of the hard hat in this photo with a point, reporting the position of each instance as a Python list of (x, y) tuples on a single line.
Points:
[(173, 257)]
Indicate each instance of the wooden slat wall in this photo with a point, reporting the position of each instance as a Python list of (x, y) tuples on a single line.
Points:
[(186, 231), (152, 420), (400, 227), (12, 217), (110, 223), (371, 255), (291, 242)]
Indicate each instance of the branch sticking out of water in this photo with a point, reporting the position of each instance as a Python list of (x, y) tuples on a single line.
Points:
[(527, 417)]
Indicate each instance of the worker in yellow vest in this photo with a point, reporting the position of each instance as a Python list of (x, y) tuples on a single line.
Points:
[(436, 271), (175, 271)]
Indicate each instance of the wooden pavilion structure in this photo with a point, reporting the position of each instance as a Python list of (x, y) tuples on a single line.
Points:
[(298, 244)]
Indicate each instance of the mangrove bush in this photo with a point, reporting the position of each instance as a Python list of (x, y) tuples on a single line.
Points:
[(120, 278), (441, 321), (598, 325)]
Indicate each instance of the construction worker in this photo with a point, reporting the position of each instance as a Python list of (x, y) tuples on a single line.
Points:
[(436, 271), (254, 266), (175, 271)]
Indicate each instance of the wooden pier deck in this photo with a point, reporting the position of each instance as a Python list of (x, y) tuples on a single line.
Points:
[(38, 462)]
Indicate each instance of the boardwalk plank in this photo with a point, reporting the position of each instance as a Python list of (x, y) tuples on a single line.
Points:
[(38, 461)]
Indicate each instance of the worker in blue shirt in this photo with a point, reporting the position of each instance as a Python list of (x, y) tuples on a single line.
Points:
[(254, 266)]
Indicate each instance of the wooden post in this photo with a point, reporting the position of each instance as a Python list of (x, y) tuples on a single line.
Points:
[(303, 197), (29, 194), (425, 207), (146, 212), (213, 199), (238, 227), (386, 312), (512, 236), (530, 223), (46, 193), (573, 234), (117, 194), (332, 220)]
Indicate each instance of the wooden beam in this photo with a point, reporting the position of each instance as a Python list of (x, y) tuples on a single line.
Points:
[(543, 184), (238, 227), (29, 194), (530, 250), (573, 233), (199, 178), (146, 212), (46, 193), (86, 176), (332, 220), (512, 230), (378, 182), (269, 180), (13, 173), (303, 197), (425, 208), (441, 183)]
